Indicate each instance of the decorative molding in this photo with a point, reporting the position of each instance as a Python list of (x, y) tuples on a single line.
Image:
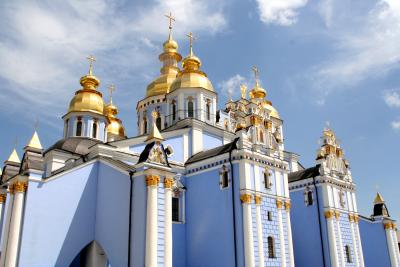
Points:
[(152, 180), (356, 218), (3, 198), (288, 205), (257, 199), (337, 214), (388, 225), (279, 203), (11, 189), (329, 214), (351, 217), (245, 198), (168, 182), (20, 187)]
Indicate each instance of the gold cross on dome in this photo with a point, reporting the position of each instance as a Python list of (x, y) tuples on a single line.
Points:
[(256, 72), (191, 39), (91, 59), (171, 19), (111, 89)]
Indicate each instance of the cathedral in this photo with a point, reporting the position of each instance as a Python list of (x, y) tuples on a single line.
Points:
[(202, 184)]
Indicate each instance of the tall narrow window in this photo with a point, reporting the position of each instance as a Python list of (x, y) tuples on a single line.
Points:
[(158, 122), (310, 199), (208, 109), (173, 110), (66, 127), (190, 108), (271, 247), (261, 136), (94, 130), (79, 128), (224, 177), (267, 179), (348, 254), (269, 215), (144, 125), (175, 209)]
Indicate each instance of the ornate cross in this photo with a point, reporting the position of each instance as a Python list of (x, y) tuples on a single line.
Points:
[(171, 19), (91, 60), (256, 72), (191, 38)]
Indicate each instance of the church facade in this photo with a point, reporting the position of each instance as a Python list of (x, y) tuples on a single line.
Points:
[(198, 186)]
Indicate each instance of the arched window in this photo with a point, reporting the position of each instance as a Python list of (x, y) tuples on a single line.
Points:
[(271, 247), (94, 130), (190, 108), (79, 128), (144, 125), (267, 180), (224, 177), (173, 110), (158, 122), (348, 254), (208, 109)]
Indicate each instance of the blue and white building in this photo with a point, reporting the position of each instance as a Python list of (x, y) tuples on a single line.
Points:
[(197, 186)]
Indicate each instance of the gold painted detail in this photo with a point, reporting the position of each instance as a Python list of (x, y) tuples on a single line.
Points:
[(152, 180), (257, 199), (279, 203), (337, 214), (388, 225), (329, 214), (3, 198), (20, 187), (14, 157), (35, 142), (356, 218), (168, 182), (11, 189), (379, 199), (288, 205), (351, 217), (245, 198)]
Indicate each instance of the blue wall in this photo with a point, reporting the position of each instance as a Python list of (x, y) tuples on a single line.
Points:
[(211, 141), (374, 245)]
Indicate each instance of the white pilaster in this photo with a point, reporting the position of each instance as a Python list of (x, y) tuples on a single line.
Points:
[(197, 140), (6, 228), (329, 215), (289, 231), (168, 223), (247, 231), (392, 249), (3, 198), (151, 221), (339, 233), (357, 233), (15, 225), (259, 232), (355, 243), (279, 206)]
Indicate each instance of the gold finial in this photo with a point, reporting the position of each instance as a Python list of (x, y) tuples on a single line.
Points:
[(35, 141), (111, 89), (171, 20), (256, 74), (14, 157), (91, 59), (379, 199), (191, 39), (243, 89)]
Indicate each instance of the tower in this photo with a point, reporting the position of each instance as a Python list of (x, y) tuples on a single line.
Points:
[(85, 116), (160, 87)]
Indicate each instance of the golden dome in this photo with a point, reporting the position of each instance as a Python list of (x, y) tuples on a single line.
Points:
[(88, 98), (115, 126), (258, 91), (273, 112), (170, 58)]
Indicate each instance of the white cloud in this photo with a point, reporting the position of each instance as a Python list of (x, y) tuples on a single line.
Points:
[(43, 46), (366, 44), (392, 98), (281, 12), (231, 86), (396, 125)]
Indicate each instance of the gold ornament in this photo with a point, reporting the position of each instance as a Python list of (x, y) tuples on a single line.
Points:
[(245, 198), (168, 182), (152, 180)]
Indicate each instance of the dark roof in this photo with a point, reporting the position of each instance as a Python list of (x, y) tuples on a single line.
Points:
[(76, 145), (146, 152), (304, 174), (213, 152)]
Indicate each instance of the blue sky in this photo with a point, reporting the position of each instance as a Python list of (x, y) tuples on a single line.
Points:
[(320, 61)]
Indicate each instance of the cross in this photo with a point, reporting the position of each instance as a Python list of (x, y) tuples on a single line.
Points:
[(91, 60), (171, 19), (111, 89), (191, 38), (256, 72)]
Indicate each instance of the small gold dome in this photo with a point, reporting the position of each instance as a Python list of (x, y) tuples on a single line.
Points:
[(258, 91), (273, 112), (115, 126), (170, 46)]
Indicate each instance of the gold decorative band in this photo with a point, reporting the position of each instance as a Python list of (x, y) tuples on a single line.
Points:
[(3, 198), (257, 199), (329, 214), (20, 187), (152, 180), (245, 198), (168, 182), (288, 205), (337, 214), (279, 203)]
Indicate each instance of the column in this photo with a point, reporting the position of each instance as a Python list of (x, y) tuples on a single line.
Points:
[(329, 214), (392, 250), (358, 236), (289, 231), (396, 242), (353, 237), (259, 231), (279, 205), (339, 233), (6, 228), (247, 230), (2, 210), (151, 221), (15, 225), (168, 182)]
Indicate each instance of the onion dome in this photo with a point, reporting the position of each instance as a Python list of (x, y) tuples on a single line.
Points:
[(258, 91), (170, 58), (88, 98), (115, 126), (273, 112), (191, 76)]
